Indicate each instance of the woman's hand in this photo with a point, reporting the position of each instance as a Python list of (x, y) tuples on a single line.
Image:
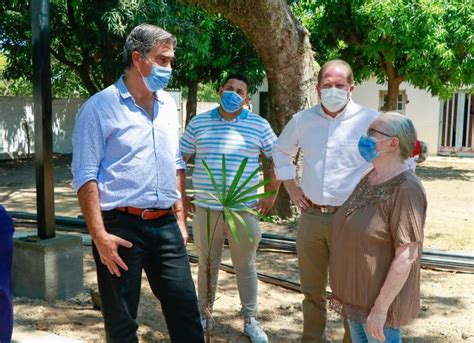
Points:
[(375, 323)]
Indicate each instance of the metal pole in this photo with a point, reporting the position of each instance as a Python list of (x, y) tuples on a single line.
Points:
[(43, 118)]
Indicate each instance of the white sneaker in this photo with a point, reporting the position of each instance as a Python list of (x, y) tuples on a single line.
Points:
[(254, 331)]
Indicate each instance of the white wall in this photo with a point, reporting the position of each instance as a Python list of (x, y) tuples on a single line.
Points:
[(421, 108), (17, 124), (255, 99), (17, 136)]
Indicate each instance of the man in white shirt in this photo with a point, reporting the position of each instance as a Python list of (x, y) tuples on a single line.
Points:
[(328, 136)]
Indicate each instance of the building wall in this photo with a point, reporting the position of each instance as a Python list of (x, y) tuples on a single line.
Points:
[(421, 108), (255, 98), (17, 136)]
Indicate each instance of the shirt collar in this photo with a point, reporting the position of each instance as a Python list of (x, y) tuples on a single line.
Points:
[(350, 108), (215, 114), (123, 90)]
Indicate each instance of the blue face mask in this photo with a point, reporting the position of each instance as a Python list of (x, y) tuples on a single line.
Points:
[(367, 148), (158, 79), (231, 101)]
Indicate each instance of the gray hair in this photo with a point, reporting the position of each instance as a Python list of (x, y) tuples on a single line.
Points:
[(398, 125), (340, 63), (143, 38)]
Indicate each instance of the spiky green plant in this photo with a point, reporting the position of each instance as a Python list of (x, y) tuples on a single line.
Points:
[(232, 202)]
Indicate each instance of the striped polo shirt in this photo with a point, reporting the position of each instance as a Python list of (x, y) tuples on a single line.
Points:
[(209, 136)]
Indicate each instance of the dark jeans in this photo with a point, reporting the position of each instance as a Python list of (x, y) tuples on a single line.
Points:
[(158, 248), (359, 334), (6, 292)]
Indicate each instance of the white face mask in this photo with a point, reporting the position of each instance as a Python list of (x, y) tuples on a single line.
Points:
[(334, 99)]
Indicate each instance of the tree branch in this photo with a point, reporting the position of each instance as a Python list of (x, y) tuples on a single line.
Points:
[(70, 15)]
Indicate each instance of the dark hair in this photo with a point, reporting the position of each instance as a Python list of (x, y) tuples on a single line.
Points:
[(143, 38), (240, 77)]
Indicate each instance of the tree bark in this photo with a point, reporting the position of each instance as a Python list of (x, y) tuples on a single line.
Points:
[(191, 103), (394, 80), (392, 95), (283, 45)]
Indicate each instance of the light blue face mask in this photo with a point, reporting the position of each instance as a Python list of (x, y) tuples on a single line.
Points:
[(231, 101), (368, 147), (158, 79)]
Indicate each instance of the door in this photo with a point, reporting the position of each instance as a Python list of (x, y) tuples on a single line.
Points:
[(457, 125)]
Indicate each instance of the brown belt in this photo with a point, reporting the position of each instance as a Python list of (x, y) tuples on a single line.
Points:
[(146, 213), (326, 208)]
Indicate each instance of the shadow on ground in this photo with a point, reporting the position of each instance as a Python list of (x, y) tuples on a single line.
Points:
[(426, 173)]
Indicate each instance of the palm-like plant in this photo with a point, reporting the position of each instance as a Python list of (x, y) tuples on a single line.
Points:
[(232, 201)]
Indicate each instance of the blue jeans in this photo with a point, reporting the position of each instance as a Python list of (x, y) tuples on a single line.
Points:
[(158, 248), (6, 292), (359, 334)]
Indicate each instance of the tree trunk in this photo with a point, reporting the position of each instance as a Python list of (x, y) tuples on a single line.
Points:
[(392, 95), (191, 103), (282, 44), (84, 75), (394, 80)]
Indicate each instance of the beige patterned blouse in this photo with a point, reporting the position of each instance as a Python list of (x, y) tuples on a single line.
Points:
[(367, 229)]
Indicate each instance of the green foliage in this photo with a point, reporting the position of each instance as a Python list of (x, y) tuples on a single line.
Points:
[(209, 48), (232, 198), (208, 92), (429, 43), (87, 39)]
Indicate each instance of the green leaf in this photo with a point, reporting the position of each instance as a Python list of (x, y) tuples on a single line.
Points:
[(202, 192), (237, 177), (203, 201), (244, 225), (252, 189), (255, 197), (246, 181), (232, 225), (255, 213), (224, 178), (213, 181)]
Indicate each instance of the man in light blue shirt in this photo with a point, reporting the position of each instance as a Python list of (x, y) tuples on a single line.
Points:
[(129, 177), (237, 133)]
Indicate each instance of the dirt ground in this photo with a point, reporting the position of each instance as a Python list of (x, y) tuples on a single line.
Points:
[(447, 297)]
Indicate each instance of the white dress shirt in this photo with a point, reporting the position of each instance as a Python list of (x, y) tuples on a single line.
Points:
[(332, 165)]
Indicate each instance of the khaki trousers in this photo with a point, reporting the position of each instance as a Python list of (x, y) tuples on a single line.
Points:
[(243, 255), (313, 242)]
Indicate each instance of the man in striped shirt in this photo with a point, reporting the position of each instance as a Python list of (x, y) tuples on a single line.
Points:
[(237, 133)]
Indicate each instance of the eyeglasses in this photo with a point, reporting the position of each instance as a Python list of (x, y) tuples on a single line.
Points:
[(371, 132)]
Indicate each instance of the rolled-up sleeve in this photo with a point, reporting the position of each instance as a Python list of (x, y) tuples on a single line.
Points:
[(187, 143), (87, 146), (284, 151), (180, 164), (267, 140)]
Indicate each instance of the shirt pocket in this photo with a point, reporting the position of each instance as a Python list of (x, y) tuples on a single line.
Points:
[(349, 154)]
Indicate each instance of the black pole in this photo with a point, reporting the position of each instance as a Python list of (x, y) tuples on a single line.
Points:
[(43, 118)]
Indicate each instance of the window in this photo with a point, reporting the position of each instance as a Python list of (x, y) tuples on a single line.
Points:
[(401, 101)]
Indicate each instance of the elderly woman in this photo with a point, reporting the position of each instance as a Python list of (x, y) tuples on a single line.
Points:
[(377, 237)]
